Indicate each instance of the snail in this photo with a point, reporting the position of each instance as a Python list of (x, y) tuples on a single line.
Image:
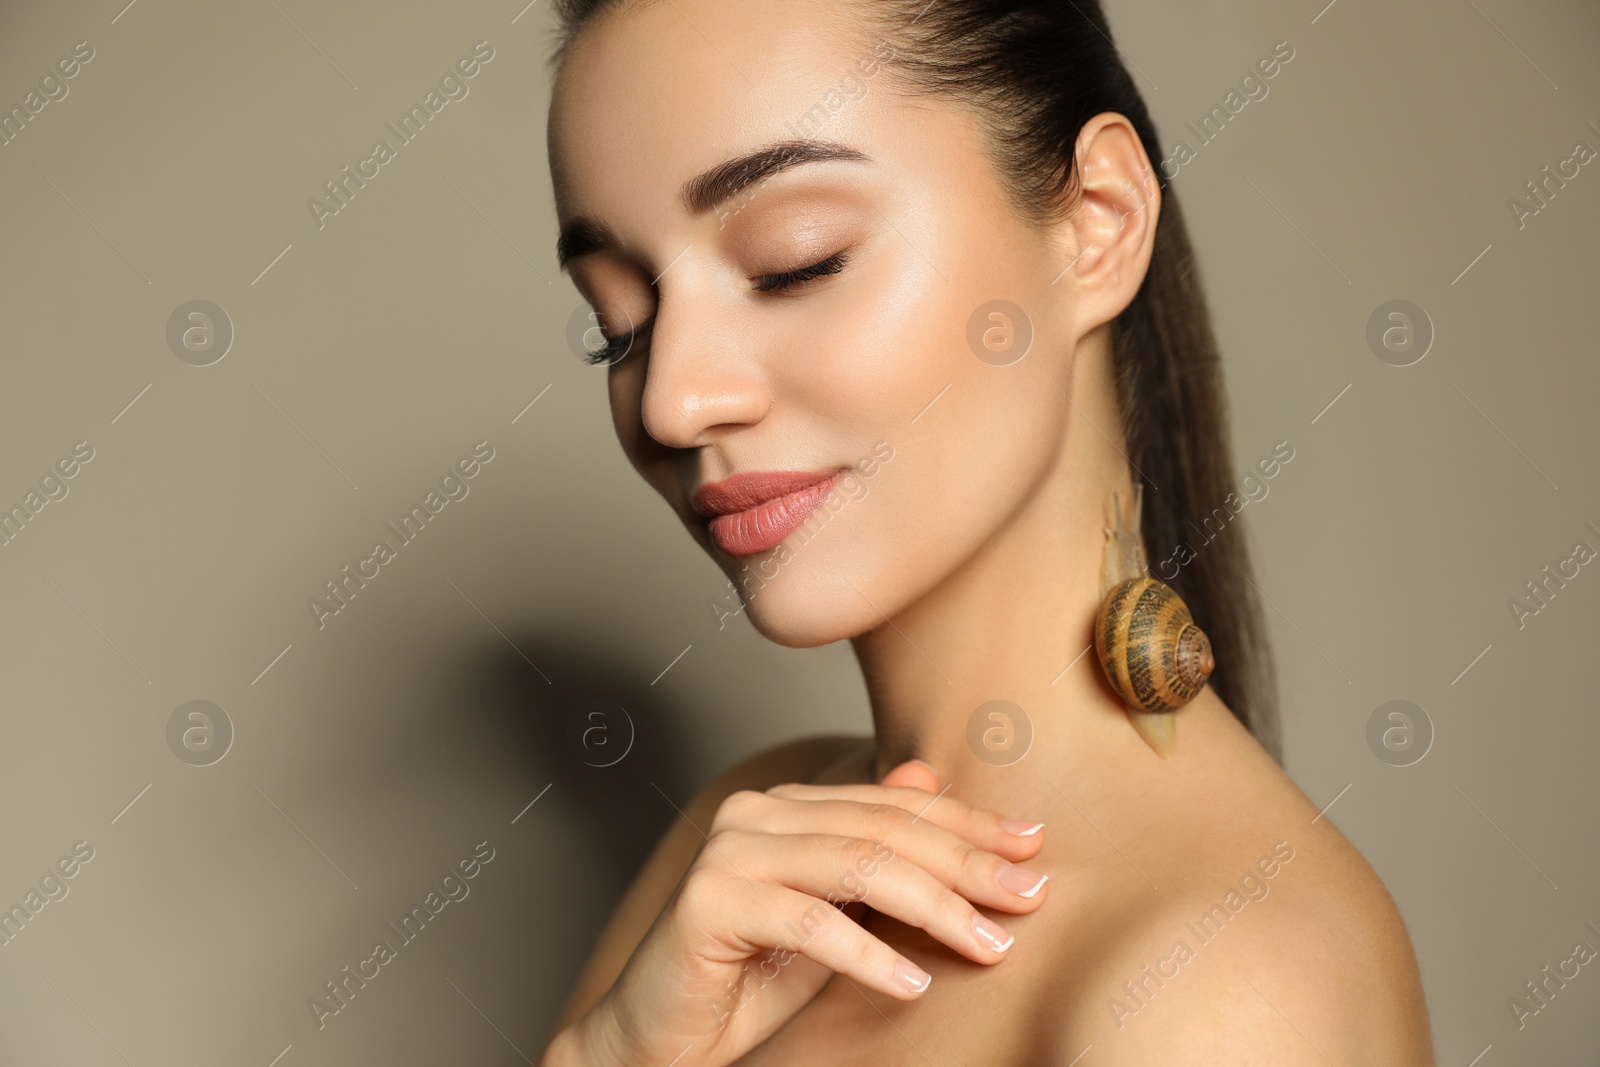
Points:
[(1150, 649)]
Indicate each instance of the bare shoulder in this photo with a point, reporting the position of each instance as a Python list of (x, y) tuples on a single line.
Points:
[(1302, 959), (1271, 941), (801, 760)]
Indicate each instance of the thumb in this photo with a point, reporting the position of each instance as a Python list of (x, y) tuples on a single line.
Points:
[(915, 773)]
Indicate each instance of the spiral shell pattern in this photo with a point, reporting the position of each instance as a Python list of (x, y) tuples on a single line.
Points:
[(1152, 653)]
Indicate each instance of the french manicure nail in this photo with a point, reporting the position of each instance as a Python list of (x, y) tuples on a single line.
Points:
[(1021, 827), (992, 933), (1020, 880), (915, 978)]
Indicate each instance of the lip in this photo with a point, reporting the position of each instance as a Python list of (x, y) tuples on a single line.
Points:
[(754, 511)]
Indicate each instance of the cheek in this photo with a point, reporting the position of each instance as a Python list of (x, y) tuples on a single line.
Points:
[(966, 466), (974, 436), (878, 358), (625, 388), (961, 464)]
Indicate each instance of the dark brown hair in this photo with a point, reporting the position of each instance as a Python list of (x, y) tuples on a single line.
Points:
[(1034, 72)]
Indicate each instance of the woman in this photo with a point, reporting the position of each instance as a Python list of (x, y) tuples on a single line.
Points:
[(893, 304)]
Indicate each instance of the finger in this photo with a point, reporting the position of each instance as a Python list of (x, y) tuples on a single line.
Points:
[(1015, 839), (836, 868), (913, 774), (777, 917), (975, 873)]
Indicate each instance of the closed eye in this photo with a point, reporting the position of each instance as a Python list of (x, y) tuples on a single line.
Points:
[(778, 282), (615, 349)]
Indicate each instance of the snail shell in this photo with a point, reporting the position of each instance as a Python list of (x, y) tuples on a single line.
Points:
[(1153, 654)]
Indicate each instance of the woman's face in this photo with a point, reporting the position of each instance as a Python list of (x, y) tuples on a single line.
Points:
[(884, 369)]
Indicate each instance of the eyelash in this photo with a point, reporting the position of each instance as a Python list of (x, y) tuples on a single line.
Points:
[(612, 351), (767, 283), (779, 282)]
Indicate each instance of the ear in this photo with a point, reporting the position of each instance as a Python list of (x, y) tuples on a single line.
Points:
[(1112, 233)]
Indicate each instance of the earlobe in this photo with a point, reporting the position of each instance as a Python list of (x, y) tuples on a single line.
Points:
[(1114, 225)]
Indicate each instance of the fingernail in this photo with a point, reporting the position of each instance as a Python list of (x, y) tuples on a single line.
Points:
[(992, 933), (926, 764), (1020, 880), (1021, 827), (915, 978)]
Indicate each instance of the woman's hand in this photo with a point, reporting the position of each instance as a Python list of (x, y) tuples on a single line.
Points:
[(752, 932)]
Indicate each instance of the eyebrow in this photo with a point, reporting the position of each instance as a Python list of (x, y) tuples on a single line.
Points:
[(712, 187)]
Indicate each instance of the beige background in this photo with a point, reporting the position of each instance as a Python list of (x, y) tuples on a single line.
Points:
[(427, 715)]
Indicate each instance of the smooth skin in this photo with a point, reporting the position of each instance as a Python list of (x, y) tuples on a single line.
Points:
[(968, 572)]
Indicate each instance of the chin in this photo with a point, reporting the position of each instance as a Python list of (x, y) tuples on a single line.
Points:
[(851, 576), (800, 608), (809, 618), (805, 630), (810, 592), (832, 593)]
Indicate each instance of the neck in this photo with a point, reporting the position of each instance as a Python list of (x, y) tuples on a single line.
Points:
[(1014, 623)]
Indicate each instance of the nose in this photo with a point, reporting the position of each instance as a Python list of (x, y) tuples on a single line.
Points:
[(702, 375)]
